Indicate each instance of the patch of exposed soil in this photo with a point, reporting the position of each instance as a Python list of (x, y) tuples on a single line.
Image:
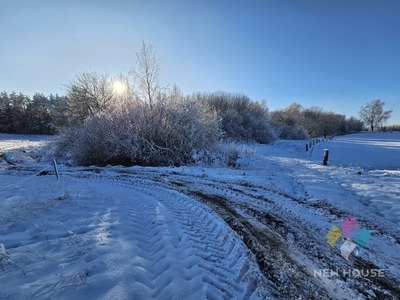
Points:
[(270, 250)]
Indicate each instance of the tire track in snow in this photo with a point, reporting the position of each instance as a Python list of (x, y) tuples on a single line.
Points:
[(218, 247), (255, 238), (213, 263), (238, 206), (143, 258)]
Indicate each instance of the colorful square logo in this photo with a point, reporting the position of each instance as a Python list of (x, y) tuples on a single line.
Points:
[(352, 235)]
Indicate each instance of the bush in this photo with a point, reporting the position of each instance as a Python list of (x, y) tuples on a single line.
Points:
[(221, 154), (291, 133), (132, 133), (241, 118)]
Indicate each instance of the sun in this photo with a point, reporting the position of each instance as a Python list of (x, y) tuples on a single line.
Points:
[(119, 87)]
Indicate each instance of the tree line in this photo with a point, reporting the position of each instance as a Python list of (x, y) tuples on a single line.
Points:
[(133, 120), (37, 115), (241, 117), (296, 122)]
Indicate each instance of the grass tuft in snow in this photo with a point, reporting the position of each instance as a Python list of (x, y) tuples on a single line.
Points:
[(6, 258), (69, 232)]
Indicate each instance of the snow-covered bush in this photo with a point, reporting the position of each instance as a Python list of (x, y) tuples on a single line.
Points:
[(227, 154), (142, 124), (261, 130), (147, 124), (135, 133), (241, 118), (290, 132), (220, 154), (288, 122), (232, 124)]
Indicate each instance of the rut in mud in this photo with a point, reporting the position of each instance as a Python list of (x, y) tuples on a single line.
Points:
[(276, 240), (270, 251)]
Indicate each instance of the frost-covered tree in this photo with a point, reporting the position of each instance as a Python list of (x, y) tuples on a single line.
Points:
[(296, 122), (89, 93), (373, 114), (242, 119), (288, 122), (59, 112), (146, 75)]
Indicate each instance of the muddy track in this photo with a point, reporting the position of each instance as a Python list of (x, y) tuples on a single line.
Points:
[(270, 238), (270, 251), (273, 256), (387, 284)]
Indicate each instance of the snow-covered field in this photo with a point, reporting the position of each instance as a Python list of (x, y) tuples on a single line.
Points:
[(255, 232)]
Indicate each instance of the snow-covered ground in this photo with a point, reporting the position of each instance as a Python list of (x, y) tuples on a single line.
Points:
[(255, 232)]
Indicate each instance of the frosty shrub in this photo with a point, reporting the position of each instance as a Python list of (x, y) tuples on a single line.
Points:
[(241, 118), (220, 154), (139, 124), (232, 124), (290, 132), (288, 122), (133, 133), (261, 130), (227, 154), (143, 123)]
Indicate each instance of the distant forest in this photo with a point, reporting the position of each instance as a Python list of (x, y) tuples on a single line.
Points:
[(37, 115)]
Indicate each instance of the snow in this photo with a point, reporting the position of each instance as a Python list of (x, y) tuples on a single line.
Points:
[(368, 150), (254, 232)]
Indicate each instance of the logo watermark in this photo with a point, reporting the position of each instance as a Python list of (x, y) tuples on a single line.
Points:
[(349, 273), (352, 235)]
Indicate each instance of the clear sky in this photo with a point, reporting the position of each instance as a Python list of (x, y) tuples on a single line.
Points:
[(335, 54)]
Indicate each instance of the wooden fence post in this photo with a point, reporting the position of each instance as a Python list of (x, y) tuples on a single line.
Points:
[(55, 168), (326, 156)]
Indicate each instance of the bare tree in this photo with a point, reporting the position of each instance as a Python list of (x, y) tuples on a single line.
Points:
[(373, 114), (89, 93), (147, 74), (332, 123)]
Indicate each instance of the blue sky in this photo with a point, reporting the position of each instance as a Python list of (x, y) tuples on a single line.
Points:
[(337, 55)]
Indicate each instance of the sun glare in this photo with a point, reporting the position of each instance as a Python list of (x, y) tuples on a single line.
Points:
[(119, 87)]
